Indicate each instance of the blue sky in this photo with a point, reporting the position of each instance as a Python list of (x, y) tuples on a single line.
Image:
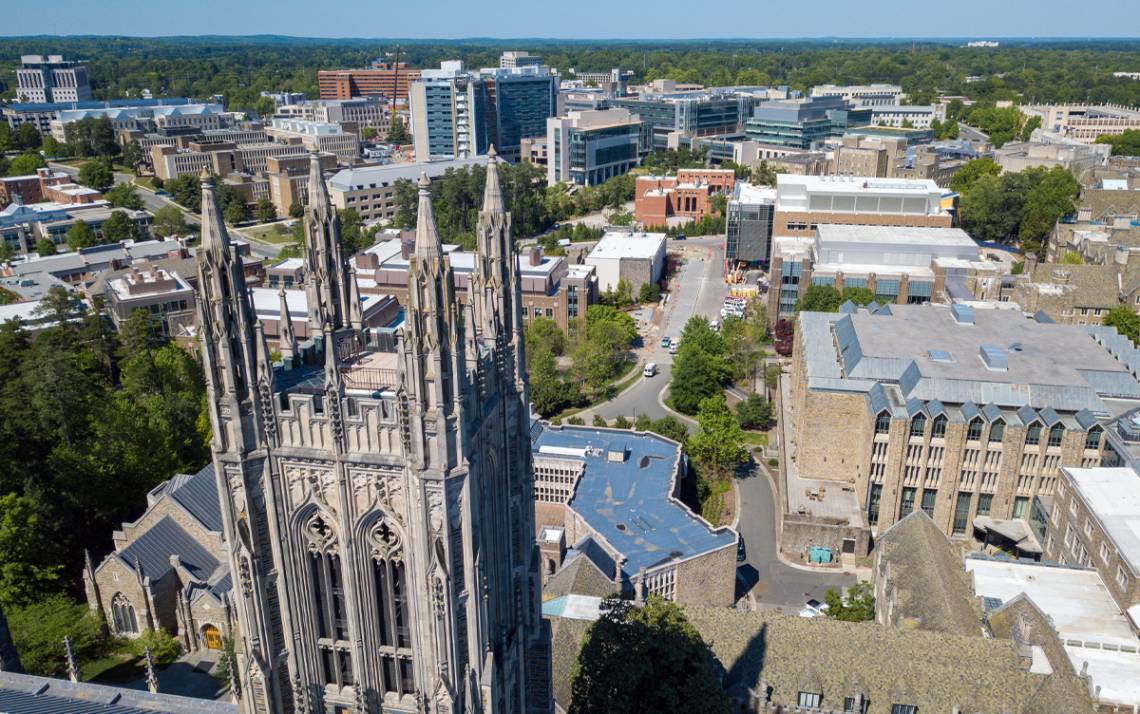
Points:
[(587, 19)]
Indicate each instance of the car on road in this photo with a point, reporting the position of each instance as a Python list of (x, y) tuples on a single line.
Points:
[(679, 236), (715, 324), (741, 556), (665, 341), (673, 345), (814, 608), (650, 369)]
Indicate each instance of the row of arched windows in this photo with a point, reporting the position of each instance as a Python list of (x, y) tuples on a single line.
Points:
[(974, 430)]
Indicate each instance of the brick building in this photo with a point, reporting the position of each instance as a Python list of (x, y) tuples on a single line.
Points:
[(686, 195), (32, 188), (390, 79)]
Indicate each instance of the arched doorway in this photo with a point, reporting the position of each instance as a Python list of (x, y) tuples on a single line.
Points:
[(212, 637)]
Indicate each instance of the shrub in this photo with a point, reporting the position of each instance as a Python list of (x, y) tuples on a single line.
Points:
[(164, 649)]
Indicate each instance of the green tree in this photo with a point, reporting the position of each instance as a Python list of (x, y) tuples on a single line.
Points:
[(27, 138), (296, 210), (7, 139), (859, 296), (353, 233), (235, 212), (45, 247), (1124, 144), (38, 630), (1071, 257), (1027, 128), (133, 156), (29, 559), (1052, 196), (54, 149), (543, 334), (168, 221), (857, 606), (718, 444), (25, 164), (80, 235), (119, 227), (819, 298), (600, 421), (265, 211), (965, 177), (368, 133), (1126, 322), (164, 649), (621, 422), (96, 174), (549, 393), (124, 195), (649, 293), (671, 427), (186, 190), (647, 659), (754, 412), (643, 422), (764, 175), (398, 132), (620, 218)]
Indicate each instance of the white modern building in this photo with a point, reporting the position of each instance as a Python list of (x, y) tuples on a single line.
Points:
[(590, 147), (915, 116), (638, 258), (862, 95)]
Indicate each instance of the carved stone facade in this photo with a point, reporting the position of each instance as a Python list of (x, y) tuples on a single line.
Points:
[(377, 506)]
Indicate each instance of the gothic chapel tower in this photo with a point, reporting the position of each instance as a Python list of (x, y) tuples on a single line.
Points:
[(378, 505)]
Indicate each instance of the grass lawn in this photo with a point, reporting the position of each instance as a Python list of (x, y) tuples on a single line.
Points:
[(116, 667), (145, 181), (756, 438), (275, 233)]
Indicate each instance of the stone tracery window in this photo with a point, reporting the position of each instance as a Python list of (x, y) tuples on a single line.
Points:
[(123, 617), (329, 606), (390, 584)]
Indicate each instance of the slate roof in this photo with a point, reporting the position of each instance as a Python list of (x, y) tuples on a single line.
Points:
[(932, 670), (932, 590), (566, 639), (1108, 203), (579, 576), (165, 538), (198, 494), (1095, 285), (26, 694)]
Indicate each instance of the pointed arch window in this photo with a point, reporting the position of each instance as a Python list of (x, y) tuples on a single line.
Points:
[(938, 427), (123, 617), (390, 587), (326, 579), (1056, 433), (883, 423), (1092, 439), (1033, 434), (917, 425), (974, 430), (997, 431)]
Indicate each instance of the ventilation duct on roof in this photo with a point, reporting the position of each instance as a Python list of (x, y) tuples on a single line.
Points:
[(994, 358), (963, 314)]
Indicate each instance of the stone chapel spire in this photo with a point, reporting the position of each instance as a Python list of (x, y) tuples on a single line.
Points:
[(326, 268)]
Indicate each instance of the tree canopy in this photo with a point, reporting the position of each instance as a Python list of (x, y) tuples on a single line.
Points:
[(647, 659)]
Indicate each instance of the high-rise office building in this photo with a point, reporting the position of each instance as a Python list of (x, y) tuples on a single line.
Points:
[(589, 147), (378, 506), (42, 79), (457, 113), (518, 58), (804, 123)]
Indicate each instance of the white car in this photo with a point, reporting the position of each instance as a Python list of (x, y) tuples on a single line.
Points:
[(673, 345), (650, 369), (814, 608)]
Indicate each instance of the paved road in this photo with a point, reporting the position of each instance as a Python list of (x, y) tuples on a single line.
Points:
[(773, 582), (696, 289)]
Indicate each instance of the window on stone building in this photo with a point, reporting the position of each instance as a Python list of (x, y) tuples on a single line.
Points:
[(883, 423), (1033, 434), (1105, 553), (938, 428), (997, 431), (1056, 433), (974, 431), (985, 500), (1020, 504), (123, 617), (904, 709), (389, 578), (917, 425), (810, 699), (962, 512), (1121, 578), (1092, 439), (850, 705), (906, 505), (928, 498), (331, 613), (873, 499)]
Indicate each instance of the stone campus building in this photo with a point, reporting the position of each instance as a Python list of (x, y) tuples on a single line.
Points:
[(376, 506), (967, 415)]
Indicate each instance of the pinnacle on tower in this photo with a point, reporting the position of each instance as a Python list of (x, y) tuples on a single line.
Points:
[(285, 335), (493, 192), (215, 239), (318, 193), (428, 246), (72, 664), (151, 675)]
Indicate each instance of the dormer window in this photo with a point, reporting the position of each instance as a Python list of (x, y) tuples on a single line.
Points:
[(997, 432), (917, 425), (1056, 433), (883, 423), (938, 428), (1033, 434), (974, 431), (1092, 439)]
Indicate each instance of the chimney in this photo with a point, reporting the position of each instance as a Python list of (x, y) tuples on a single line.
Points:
[(407, 247), (536, 255)]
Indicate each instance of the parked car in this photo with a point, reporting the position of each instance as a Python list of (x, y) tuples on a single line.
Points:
[(650, 369), (680, 236), (741, 556), (814, 608), (665, 341), (673, 345), (715, 324)]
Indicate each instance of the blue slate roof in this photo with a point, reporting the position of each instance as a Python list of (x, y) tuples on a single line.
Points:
[(165, 538), (628, 502), (198, 494), (27, 694)]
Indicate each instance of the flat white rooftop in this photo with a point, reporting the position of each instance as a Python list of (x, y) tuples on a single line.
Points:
[(1113, 494), (1083, 613), (896, 236), (857, 184), (751, 194), (628, 245)]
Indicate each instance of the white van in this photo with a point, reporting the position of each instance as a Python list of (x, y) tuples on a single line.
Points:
[(650, 369), (715, 324)]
